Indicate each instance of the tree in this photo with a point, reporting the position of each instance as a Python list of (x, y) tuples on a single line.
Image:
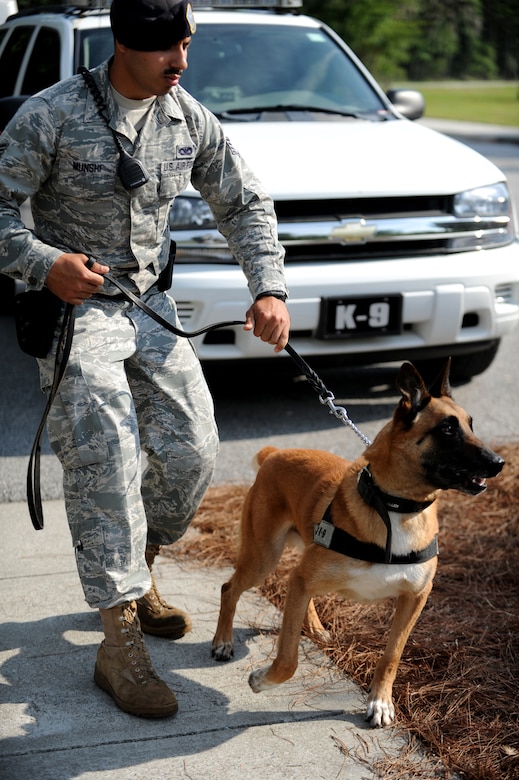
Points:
[(381, 32), (428, 39), (501, 31)]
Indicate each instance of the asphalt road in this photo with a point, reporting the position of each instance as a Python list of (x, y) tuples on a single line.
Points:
[(253, 410)]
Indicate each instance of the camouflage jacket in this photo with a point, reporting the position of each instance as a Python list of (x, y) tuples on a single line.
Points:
[(58, 151)]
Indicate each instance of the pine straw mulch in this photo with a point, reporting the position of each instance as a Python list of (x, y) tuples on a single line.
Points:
[(457, 685)]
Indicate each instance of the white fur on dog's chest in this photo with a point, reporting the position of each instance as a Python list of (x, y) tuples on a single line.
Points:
[(384, 581), (381, 581)]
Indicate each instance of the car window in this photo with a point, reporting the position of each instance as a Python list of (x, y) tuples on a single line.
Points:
[(243, 66), (43, 67), (12, 57), (93, 47)]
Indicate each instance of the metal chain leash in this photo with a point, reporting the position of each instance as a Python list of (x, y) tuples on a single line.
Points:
[(341, 414), (326, 397)]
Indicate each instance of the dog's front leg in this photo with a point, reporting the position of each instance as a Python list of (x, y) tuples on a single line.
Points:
[(380, 710), (285, 663)]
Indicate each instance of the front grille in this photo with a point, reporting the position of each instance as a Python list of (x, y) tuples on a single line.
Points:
[(339, 230), (340, 254), (380, 208), (348, 229)]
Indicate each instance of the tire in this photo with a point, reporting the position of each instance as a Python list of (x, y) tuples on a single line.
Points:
[(467, 366), (463, 367)]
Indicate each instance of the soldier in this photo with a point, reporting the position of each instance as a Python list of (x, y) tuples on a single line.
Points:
[(131, 385)]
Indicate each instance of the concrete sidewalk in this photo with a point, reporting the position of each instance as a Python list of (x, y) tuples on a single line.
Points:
[(55, 724)]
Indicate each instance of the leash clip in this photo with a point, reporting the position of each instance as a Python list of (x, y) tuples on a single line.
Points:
[(341, 414)]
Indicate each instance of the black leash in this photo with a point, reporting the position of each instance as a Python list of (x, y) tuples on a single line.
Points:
[(33, 471), (325, 395), (153, 314), (62, 354)]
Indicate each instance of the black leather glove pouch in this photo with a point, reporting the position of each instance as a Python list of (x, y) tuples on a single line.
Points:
[(36, 314)]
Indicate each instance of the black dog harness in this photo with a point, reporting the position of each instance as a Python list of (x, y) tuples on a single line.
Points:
[(327, 535)]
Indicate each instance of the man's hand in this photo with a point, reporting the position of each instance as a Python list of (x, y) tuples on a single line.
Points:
[(270, 321), (70, 279)]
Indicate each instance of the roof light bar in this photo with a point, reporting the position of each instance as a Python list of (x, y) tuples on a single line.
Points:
[(279, 4)]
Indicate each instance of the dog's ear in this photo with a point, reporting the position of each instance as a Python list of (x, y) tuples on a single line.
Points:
[(441, 385), (411, 385)]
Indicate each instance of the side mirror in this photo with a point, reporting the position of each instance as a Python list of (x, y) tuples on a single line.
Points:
[(408, 102)]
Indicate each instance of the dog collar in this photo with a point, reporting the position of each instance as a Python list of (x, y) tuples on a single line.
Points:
[(376, 498), (327, 535), (385, 503)]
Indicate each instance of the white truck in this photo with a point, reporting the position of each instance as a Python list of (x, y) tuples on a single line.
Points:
[(400, 242)]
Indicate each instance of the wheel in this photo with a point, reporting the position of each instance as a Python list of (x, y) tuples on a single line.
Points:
[(467, 366), (463, 367)]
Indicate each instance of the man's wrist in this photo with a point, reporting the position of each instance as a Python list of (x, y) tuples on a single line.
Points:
[(279, 294)]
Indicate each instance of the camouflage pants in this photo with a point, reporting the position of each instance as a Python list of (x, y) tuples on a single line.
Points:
[(129, 384)]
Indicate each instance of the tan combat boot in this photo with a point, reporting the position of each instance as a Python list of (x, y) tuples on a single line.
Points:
[(124, 669), (156, 616)]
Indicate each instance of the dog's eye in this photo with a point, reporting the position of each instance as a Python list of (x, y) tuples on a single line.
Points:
[(448, 428)]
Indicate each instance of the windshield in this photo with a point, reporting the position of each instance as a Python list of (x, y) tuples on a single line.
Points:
[(244, 67), (93, 46)]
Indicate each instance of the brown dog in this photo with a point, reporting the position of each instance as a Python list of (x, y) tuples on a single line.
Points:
[(369, 527)]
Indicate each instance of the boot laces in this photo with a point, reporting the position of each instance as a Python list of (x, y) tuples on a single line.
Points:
[(140, 661), (154, 596)]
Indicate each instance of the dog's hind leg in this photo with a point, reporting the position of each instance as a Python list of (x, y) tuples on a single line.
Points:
[(285, 663), (312, 623), (380, 710)]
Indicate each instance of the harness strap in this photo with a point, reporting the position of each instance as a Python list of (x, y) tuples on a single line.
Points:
[(383, 502), (340, 541)]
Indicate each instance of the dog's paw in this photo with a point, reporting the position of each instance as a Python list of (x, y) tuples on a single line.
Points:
[(380, 712), (318, 634), (258, 681), (222, 651)]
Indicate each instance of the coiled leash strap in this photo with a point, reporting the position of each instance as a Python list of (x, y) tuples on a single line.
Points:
[(33, 470)]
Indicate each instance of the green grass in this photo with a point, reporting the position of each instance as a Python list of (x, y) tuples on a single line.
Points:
[(495, 103)]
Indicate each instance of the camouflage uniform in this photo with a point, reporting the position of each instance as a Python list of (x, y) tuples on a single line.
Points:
[(129, 383)]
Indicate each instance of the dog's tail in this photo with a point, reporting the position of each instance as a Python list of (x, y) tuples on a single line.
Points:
[(262, 455)]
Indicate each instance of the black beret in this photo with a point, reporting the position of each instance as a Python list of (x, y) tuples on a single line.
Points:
[(151, 25)]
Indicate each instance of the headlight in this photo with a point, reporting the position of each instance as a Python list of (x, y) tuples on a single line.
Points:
[(189, 213), (485, 216), (492, 200)]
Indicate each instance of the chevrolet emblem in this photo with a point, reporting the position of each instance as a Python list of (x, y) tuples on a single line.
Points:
[(353, 231)]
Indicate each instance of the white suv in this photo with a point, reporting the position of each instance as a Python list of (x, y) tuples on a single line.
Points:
[(400, 242)]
